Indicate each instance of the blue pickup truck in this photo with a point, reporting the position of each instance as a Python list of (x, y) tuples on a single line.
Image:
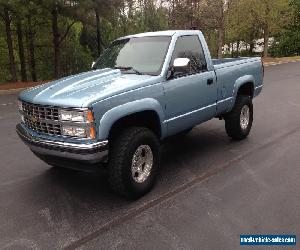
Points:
[(141, 90)]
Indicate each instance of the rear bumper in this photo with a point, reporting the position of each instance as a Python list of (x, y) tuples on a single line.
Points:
[(88, 152)]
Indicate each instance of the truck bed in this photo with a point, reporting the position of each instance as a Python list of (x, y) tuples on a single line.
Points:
[(231, 72), (227, 62)]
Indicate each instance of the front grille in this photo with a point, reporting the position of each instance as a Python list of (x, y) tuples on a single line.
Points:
[(42, 119), (40, 112)]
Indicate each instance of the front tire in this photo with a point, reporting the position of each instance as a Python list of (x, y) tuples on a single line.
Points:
[(133, 162), (238, 122)]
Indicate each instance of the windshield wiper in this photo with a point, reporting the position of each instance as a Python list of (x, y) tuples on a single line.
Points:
[(129, 68)]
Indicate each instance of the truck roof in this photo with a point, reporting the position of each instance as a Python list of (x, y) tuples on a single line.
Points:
[(163, 33)]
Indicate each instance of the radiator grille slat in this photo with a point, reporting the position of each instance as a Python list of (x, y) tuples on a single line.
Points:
[(40, 118)]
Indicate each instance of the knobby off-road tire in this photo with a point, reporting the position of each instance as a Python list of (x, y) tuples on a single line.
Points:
[(133, 162), (238, 122)]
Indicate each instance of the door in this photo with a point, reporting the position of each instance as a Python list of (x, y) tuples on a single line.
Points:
[(191, 94)]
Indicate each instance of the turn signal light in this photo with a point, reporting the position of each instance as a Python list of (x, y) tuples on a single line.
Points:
[(90, 116), (92, 133)]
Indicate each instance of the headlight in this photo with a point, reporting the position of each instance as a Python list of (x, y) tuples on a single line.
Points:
[(76, 116), (74, 131), (81, 132), (80, 123)]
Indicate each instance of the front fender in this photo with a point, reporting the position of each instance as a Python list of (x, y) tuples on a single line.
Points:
[(118, 112)]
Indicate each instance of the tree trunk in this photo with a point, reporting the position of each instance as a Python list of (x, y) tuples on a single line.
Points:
[(56, 42), (98, 31), (12, 63), (21, 51), (220, 42), (238, 48), (266, 40), (251, 48), (209, 42), (191, 15), (31, 50), (221, 27), (171, 19)]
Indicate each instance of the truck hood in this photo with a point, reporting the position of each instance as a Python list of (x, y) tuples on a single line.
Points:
[(86, 88)]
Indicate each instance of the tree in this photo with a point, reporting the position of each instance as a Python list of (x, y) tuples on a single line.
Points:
[(212, 16), (31, 49), (48, 39), (98, 25), (287, 40), (270, 15), (19, 11), (58, 36), (21, 50), (9, 40), (241, 24)]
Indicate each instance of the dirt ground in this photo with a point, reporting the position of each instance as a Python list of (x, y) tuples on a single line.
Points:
[(19, 85)]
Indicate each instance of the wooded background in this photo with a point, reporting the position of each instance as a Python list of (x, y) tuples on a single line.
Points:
[(48, 39)]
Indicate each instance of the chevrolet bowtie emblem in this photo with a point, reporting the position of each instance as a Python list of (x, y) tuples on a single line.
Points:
[(33, 119)]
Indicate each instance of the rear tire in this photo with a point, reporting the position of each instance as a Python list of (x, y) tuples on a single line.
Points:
[(238, 122), (133, 162)]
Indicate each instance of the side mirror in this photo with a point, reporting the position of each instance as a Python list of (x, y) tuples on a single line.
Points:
[(179, 67), (180, 63), (93, 64)]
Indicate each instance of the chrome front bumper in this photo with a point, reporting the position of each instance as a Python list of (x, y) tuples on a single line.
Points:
[(89, 152)]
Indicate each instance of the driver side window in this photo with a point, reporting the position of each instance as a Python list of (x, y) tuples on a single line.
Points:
[(189, 47)]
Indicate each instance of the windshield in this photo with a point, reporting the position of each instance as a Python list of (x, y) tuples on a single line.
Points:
[(137, 55)]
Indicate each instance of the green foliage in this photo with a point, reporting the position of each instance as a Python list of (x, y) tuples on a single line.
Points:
[(241, 23), (4, 72), (288, 44), (241, 20), (75, 57), (287, 41)]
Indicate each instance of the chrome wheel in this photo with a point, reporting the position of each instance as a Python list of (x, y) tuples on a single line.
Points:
[(245, 117), (142, 162)]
